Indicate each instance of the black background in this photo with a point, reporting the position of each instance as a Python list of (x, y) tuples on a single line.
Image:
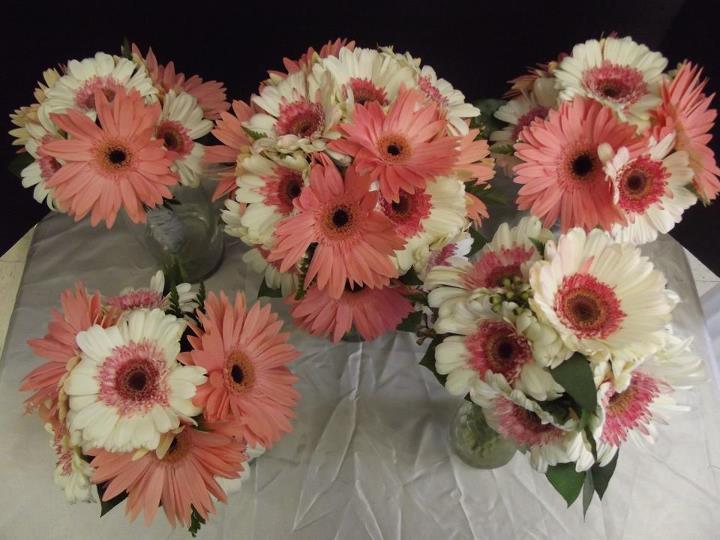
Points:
[(477, 46)]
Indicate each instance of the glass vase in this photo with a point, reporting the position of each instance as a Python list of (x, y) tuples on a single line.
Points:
[(475, 442), (185, 236)]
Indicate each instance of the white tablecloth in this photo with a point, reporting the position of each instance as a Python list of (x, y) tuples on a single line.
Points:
[(369, 456)]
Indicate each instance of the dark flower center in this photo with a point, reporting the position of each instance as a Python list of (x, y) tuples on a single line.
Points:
[(137, 380), (117, 156), (340, 217), (393, 149), (582, 165), (236, 373)]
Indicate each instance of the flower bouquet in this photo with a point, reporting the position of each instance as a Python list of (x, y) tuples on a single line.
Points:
[(606, 137), (347, 174), (565, 343), (157, 396)]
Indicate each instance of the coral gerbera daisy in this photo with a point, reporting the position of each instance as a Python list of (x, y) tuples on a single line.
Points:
[(129, 389), (403, 148), (372, 312), (153, 297), (183, 478), (309, 57), (116, 163), (80, 311), (246, 357), (616, 72), (651, 189), (354, 242), (562, 174), (686, 110), (181, 124), (602, 297)]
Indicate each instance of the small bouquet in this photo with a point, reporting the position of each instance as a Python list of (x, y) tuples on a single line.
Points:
[(565, 343), (113, 131), (158, 395), (347, 174), (605, 137)]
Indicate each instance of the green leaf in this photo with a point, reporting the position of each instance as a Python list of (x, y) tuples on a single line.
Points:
[(575, 376), (505, 149), (602, 475), (303, 270), (196, 521), (411, 278), (19, 162), (175, 303), (201, 296), (106, 506), (125, 49), (428, 360), (588, 492), (486, 121), (478, 240), (566, 481), (559, 408), (539, 246), (268, 292), (254, 134), (411, 322)]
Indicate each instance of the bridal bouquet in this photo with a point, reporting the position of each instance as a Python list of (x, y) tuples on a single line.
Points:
[(110, 132), (347, 174), (565, 343), (157, 396), (606, 137)]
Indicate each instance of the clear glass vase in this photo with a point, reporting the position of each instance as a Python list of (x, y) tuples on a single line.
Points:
[(185, 236), (475, 442)]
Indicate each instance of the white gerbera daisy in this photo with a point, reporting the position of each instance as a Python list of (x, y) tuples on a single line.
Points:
[(363, 75), (26, 117), (153, 297), (295, 115), (522, 110), (76, 89), (618, 73), (450, 100), (72, 473), (37, 173), (652, 190), (232, 217), (438, 255), (128, 388), (287, 282), (267, 191), (426, 218), (181, 124), (602, 297), (487, 343)]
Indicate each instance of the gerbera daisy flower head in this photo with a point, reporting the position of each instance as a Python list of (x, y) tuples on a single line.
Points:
[(686, 109), (183, 478), (474, 161), (450, 101), (520, 111), (651, 189), (372, 312), (561, 172), (309, 57), (403, 147), (459, 246), (618, 73), (37, 173), (72, 473), (286, 282), (117, 163), (601, 297), (129, 389), (354, 242), (246, 357), (78, 87), (153, 297), (181, 124), (26, 118)]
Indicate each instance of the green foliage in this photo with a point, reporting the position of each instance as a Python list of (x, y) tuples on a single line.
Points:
[(201, 297), (478, 240), (268, 292), (19, 162), (588, 492), (106, 506), (253, 134), (539, 246), (303, 270), (196, 521), (428, 360), (125, 49), (487, 193), (566, 480), (602, 475), (175, 303), (411, 322), (411, 278), (486, 121), (575, 376)]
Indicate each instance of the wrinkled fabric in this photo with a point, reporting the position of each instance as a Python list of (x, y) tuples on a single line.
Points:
[(369, 456)]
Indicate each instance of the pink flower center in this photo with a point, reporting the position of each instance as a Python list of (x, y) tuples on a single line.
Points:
[(137, 299), (175, 137), (301, 118), (432, 91), (48, 165), (580, 167), (408, 212), (493, 267), (497, 347), (441, 256), (133, 378), (282, 189), (641, 183), (621, 84), (394, 148), (524, 426), (588, 307), (527, 118), (239, 372), (85, 95), (364, 91), (628, 410)]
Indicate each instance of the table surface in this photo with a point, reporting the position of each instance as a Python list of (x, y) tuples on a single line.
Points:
[(369, 456)]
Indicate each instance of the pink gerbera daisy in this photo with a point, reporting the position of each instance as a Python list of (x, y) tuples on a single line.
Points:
[(235, 145), (403, 148), (494, 267), (182, 479), (473, 160), (372, 311), (497, 347), (686, 109), (246, 357), (354, 241), (116, 163), (79, 312), (523, 426), (562, 174)]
